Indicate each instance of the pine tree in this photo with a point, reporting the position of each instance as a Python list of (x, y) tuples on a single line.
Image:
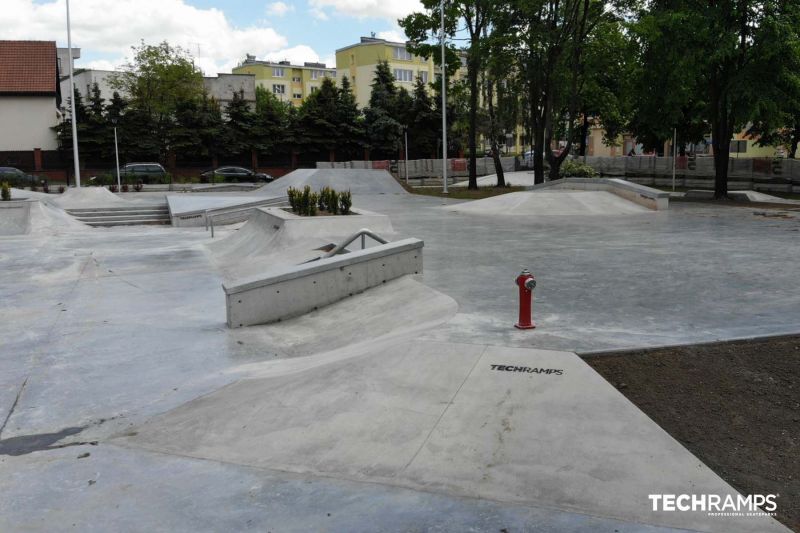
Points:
[(425, 125), (383, 130)]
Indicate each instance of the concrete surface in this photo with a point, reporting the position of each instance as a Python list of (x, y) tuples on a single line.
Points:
[(560, 203), (357, 181), (107, 332), (281, 293), (451, 418), (15, 216), (648, 197), (522, 178)]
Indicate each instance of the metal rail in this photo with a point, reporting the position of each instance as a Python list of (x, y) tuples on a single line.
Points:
[(363, 233), (210, 215)]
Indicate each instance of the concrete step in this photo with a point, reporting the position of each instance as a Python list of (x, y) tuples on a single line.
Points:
[(160, 207), (132, 212), (121, 217), (133, 222)]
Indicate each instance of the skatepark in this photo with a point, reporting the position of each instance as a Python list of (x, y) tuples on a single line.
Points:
[(385, 389)]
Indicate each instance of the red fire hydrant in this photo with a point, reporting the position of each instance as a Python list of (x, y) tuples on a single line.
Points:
[(526, 283)]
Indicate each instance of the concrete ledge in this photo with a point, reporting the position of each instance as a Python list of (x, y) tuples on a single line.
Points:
[(293, 291), (15, 216), (237, 212), (645, 196)]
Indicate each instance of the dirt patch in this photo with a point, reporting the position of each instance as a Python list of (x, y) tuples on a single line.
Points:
[(735, 405)]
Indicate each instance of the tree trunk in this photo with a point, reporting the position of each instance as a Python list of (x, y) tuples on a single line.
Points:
[(584, 134), (722, 131), (493, 135), (473, 118)]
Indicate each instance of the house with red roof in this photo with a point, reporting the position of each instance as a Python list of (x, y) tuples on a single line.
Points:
[(30, 96)]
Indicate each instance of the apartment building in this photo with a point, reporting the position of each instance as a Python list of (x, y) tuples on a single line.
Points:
[(290, 83), (359, 61)]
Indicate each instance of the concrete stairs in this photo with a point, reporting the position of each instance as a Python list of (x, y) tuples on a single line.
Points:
[(123, 216)]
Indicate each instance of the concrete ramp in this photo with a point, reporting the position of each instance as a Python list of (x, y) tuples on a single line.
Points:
[(523, 426), (75, 198), (357, 181), (542, 203), (24, 217), (272, 237)]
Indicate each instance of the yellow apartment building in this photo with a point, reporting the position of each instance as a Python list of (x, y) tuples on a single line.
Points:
[(290, 83), (359, 61)]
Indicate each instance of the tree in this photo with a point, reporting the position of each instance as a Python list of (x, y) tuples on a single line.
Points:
[(159, 79), (350, 121), (242, 132), (739, 55), (318, 120), (425, 123), (383, 129), (476, 16)]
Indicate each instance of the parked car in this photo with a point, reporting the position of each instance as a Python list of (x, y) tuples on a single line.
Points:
[(235, 174), (17, 178), (144, 172)]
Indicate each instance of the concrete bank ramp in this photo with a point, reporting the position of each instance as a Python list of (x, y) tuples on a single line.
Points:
[(25, 217), (521, 426), (357, 181), (76, 198), (272, 237), (562, 202), (522, 178)]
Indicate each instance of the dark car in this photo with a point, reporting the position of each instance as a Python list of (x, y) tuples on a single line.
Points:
[(17, 178), (235, 174), (144, 172)]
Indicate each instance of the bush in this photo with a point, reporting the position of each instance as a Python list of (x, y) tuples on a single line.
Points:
[(138, 187), (294, 200), (572, 168), (311, 208), (61, 189), (345, 202), (46, 188), (5, 191), (125, 187), (112, 187)]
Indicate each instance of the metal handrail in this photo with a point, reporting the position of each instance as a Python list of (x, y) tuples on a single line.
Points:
[(363, 233), (209, 216)]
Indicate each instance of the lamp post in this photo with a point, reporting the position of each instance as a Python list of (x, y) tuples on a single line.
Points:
[(74, 111), (116, 156), (405, 163), (444, 106)]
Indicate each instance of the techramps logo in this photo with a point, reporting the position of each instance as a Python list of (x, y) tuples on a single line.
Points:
[(717, 505)]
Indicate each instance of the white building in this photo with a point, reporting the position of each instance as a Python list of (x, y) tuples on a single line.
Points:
[(30, 95)]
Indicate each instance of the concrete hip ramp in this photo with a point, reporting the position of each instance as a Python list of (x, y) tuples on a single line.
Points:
[(23, 217), (562, 202), (357, 181), (521, 426)]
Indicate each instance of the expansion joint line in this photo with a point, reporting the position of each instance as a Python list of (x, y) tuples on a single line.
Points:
[(13, 406), (449, 403)]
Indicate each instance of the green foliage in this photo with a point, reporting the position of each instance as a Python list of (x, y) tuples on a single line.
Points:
[(294, 199), (572, 168), (345, 202), (383, 129), (5, 191)]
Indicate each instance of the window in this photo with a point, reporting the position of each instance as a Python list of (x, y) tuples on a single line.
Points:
[(297, 96), (738, 147), (402, 54), (296, 79), (317, 74), (278, 88), (314, 89), (424, 75), (277, 72), (401, 74)]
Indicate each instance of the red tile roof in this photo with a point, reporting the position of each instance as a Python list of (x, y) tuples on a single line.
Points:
[(28, 67)]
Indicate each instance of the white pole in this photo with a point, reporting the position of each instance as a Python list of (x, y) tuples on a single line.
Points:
[(444, 108), (116, 155), (74, 111), (674, 155), (405, 163)]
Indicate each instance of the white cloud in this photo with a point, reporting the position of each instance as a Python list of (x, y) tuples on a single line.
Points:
[(278, 9), (109, 29), (392, 35), (297, 55), (318, 13), (387, 9)]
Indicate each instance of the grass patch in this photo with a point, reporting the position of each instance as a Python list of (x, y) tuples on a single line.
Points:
[(462, 193)]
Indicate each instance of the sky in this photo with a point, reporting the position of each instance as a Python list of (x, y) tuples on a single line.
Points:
[(217, 33)]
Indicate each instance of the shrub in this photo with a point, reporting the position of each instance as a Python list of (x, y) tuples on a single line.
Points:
[(294, 201), (138, 187), (5, 191), (345, 202), (572, 168), (125, 187), (61, 189), (305, 199), (46, 187), (311, 206), (112, 187)]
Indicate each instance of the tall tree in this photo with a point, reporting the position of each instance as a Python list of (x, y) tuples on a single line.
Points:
[(159, 79), (350, 122), (738, 53), (476, 16), (425, 123), (383, 129)]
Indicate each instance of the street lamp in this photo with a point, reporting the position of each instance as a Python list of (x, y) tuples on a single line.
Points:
[(444, 106), (405, 163), (116, 155), (74, 110)]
